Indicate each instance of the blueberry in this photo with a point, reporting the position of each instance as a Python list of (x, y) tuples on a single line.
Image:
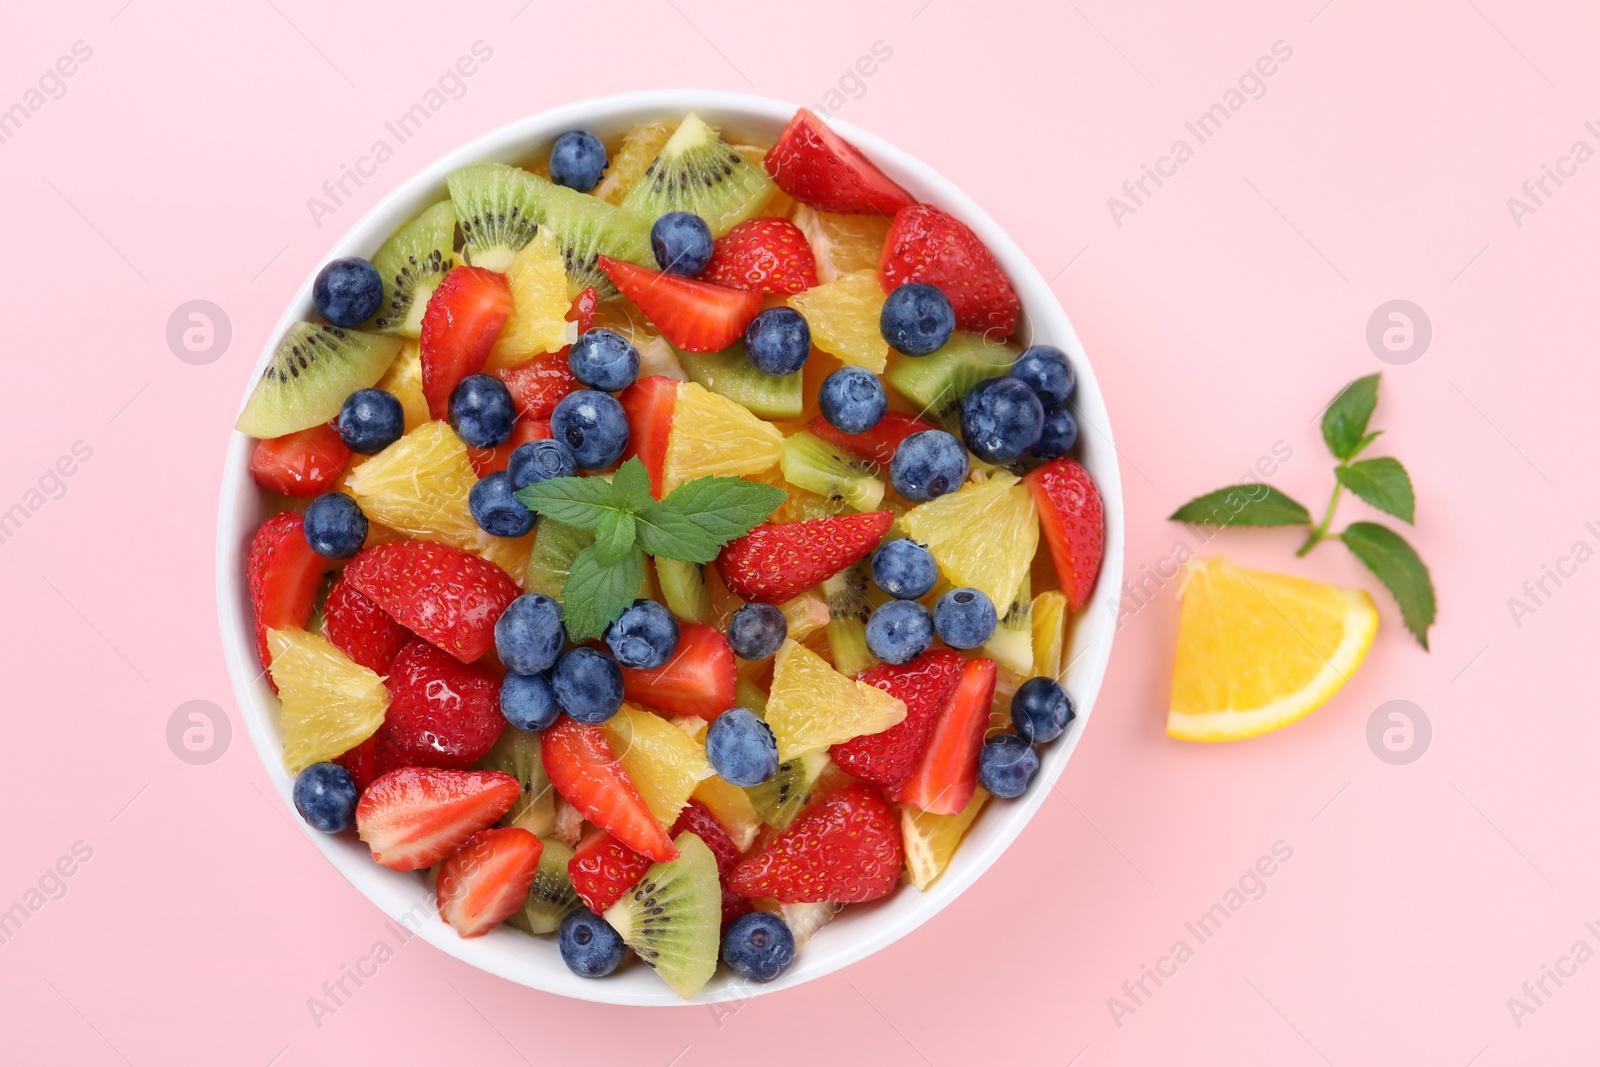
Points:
[(853, 399), (917, 319), (528, 636), (644, 637), (528, 702), (756, 631), (325, 796), (1001, 419), (964, 618), (758, 947), (371, 420), (682, 243), (1045, 370), (348, 291), (927, 465), (589, 946), (904, 569), (1058, 435), (593, 425), (778, 341), (899, 631), (482, 411), (539, 461), (1007, 765), (496, 509), (577, 160), (335, 526), (588, 685), (1041, 709), (604, 359), (741, 748)]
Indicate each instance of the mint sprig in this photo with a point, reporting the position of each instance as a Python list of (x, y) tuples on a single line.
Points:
[(692, 524), (1381, 482)]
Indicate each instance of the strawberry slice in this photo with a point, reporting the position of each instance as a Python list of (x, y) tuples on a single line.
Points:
[(303, 463), (845, 850), (929, 245), (414, 817), (649, 403), (948, 774), (485, 461), (486, 881), (603, 868), (1073, 519), (734, 907), (360, 629), (766, 255), (583, 770), (698, 680), (888, 758), (463, 320), (697, 819), (775, 562), (537, 386), (818, 167), (878, 443), (283, 574), (584, 305), (694, 315), (442, 712), (448, 596)]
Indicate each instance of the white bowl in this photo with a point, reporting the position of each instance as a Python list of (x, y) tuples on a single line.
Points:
[(860, 929)]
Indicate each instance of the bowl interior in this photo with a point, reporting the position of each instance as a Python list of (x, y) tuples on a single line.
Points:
[(860, 929)]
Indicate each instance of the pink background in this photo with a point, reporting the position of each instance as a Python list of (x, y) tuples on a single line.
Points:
[(1220, 316)]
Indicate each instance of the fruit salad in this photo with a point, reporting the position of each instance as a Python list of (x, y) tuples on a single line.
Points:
[(668, 545)]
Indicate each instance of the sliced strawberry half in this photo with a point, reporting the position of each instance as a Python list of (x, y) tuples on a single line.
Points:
[(699, 679), (845, 850), (603, 868), (888, 758), (486, 880), (283, 574), (442, 712), (360, 629), (649, 403), (414, 817), (944, 781), (694, 315), (584, 771), (443, 594), (1073, 519), (773, 563), (765, 255), (818, 167), (462, 321), (303, 463), (932, 246), (697, 819), (485, 461), (878, 443)]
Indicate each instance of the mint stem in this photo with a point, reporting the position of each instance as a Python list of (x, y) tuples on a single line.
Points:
[(1320, 534)]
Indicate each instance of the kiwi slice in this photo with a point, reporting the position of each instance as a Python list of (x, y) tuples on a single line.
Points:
[(554, 548), (551, 897), (936, 383), (683, 587), (315, 367), (517, 754), (747, 694), (700, 172), (729, 373), (848, 608), (1011, 644), (412, 263), (811, 463), (673, 917), (779, 799)]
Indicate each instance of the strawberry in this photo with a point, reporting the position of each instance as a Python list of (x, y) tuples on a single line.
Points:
[(486, 881), (303, 463), (888, 758), (360, 629), (603, 868), (537, 386), (414, 817), (448, 596), (845, 850), (818, 167), (649, 403), (697, 819), (878, 443), (283, 574), (1073, 519), (697, 680), (583, 770), (460, 325), (734, 907), (775, 562), (766, 255), (928, 245), (945, 779), (442, 712), (485, 461), (584, 305), (694, 315)]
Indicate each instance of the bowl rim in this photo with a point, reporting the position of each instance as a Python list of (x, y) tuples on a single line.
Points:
[(404, 898)]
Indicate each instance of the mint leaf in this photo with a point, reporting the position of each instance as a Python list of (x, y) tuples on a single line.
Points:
[(1383, 483), (1398, 567), (665, 531), (631, 485), (577, 502), (614, 536), (596, 594), (1345, 421), (1243, 505), (725, 508)]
